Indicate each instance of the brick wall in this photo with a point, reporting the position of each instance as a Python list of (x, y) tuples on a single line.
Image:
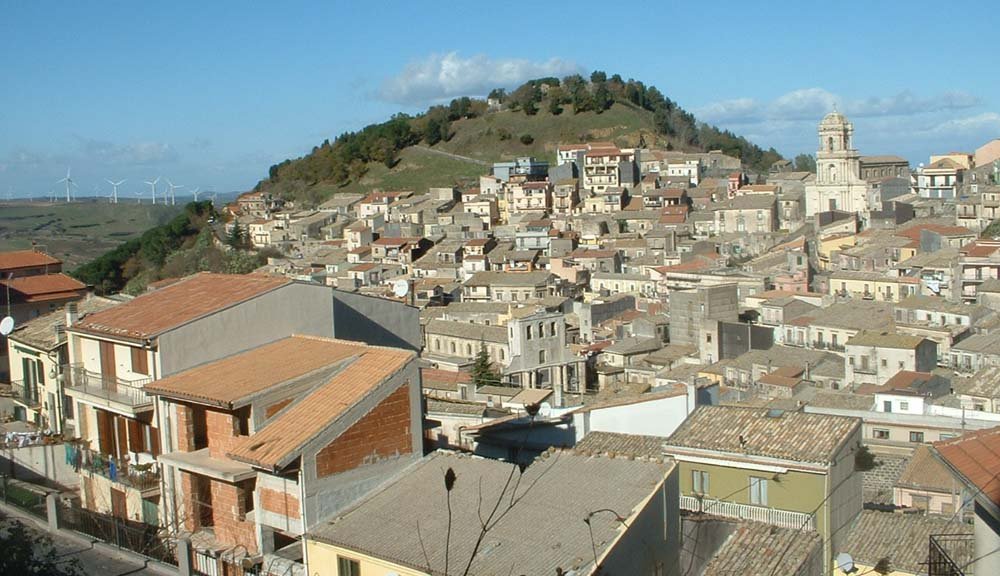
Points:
[(185, 428), (279, 502), (227, 516), (190, 511), (382, 433), (223, 431)]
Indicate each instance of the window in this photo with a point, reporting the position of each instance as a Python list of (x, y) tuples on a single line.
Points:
[(468, 349), (451, 347), (527, 332), (887, 405), (884, 363), (920, 502), (552, 329), (348, 567), (140, 363), (904, 405), (758, 491), (541, 356), (437, 343), (699, 481), (880, 434), (916, 436)]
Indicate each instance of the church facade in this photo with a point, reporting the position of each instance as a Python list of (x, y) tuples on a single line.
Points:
[(838, 184)]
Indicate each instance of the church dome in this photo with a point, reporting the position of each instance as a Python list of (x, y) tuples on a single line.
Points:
[(833, 119)]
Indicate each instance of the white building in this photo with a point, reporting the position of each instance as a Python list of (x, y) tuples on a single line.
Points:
[(838, 184)]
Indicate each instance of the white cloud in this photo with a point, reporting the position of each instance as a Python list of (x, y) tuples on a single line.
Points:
[(127, 154), (444, 76), (810, 104), (981, 123)]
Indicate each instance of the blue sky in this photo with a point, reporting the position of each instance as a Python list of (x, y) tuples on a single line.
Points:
[(210, 94)]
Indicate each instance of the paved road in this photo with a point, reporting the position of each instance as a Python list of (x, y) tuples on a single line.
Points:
[(96, 561)]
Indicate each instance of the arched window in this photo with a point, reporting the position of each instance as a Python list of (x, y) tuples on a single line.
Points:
[(527, 331), (502, 355), (468, 349), (829, 143), (437, 343), (451, 347)]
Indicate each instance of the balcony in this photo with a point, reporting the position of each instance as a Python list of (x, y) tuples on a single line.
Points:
[(772, 516), (26, 394), (142, 477), (124, 396), (950, 554)]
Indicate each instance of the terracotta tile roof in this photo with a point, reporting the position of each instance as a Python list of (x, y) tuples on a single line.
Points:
[(276, 444), (234, 379), (617, 444), (798, 436), (758, 549), (980, 249), (925, 472), (976, 457), (41, 332), (42, 287), (156, 312), (16, 259), (902, 538), (443, 379)]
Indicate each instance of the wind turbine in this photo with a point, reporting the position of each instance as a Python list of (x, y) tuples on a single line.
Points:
[(138, 196), (152, 186), (173, 199), (115, 185), (194, 193), (69, 184)]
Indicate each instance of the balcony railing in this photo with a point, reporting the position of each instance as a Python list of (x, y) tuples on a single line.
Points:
[(127, 392), (950, 554), (773, 516), (141, 477), (26, 394)]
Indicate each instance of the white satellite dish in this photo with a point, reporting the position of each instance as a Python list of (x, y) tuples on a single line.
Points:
[(401, 287), (6, 325), (545, 410), (844, 562)]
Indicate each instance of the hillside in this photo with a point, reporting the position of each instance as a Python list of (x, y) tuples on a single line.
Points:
[(183, 246), (77, 232), (455, 144)]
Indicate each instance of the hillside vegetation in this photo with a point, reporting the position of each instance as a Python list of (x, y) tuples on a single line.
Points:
[(183, 246), (405, 151), (77, 232)]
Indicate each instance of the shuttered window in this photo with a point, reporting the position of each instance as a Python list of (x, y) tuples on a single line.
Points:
[(140, 363)]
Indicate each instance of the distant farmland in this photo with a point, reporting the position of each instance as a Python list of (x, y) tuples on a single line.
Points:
[(78, 231)]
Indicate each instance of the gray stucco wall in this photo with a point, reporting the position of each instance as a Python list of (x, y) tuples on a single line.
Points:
[(653, 537), (375, 321), (291, 309)]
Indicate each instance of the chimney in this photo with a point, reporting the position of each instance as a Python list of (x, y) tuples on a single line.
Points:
[(557, 395), (72, 314), (59, 331)]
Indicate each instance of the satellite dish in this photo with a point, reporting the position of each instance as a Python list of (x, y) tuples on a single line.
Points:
[(6, 325), (401, 287), (845, 562), (545, 410)]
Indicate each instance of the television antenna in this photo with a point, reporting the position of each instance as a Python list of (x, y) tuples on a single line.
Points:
[(401, 288), (844, 562)]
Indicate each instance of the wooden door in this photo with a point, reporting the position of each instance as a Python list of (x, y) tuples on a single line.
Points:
[(121, 424), (108, 371), (106, 432), (118, 504)]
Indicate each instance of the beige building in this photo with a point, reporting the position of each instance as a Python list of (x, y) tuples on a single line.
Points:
[(838, 184), (748, 213)]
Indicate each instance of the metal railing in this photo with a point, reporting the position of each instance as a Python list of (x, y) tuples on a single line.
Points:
[(773, 516), (128, 392), (26, 394), (950, 554), (138, 476)]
